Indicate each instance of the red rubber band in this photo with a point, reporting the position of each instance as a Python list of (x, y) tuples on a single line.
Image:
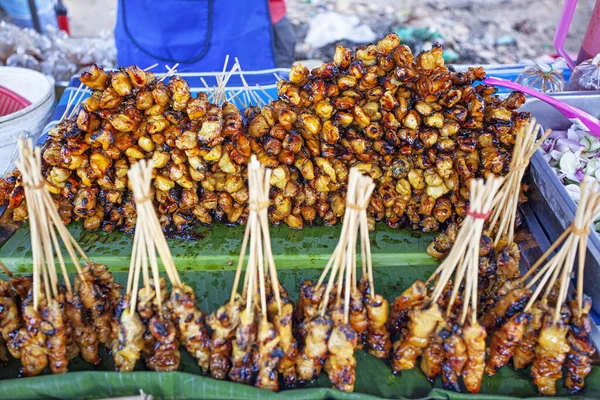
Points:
[(477, 215)]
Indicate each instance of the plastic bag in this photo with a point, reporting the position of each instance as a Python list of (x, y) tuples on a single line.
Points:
[(544, 77), (586, 76)]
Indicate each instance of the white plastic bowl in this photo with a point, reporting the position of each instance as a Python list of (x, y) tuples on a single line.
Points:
[(29, 121)]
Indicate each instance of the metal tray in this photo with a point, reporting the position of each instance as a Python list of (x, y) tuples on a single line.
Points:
[(549, 200)]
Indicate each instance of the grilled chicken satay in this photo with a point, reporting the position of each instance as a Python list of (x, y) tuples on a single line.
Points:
[(504, 341), (267, 356), (378, 338), (34, 356), (550, 354), (403, 305), (97, 304), (53, 327), (359, 320), (313, 352), (423, 321), (106, 282), (166, 354), (579, 363), (341, 364), (242, 346), (506, 307), (22, 285), (10, 319), (308, 303), (474, 337), (83, 332), (223, 322), (128, 347), (146, 308), (455, 355), (289, 346), (433, 356), (525, 351), (191, 323)]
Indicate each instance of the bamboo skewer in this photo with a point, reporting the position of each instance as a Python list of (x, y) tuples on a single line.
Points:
[(505, 211)]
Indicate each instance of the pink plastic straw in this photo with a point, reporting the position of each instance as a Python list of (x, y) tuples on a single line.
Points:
[(577, 116), (562, 31)]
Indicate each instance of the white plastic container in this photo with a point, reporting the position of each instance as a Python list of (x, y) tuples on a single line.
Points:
[(29, 121)]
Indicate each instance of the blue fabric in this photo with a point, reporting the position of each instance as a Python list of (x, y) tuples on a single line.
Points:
[(197, 34)]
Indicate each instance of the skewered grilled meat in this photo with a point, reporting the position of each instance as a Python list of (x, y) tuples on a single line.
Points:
[(474, 337), (378, 338), (433, 355), (129, 344), (10, 320), (412, 297), (34, 355), (506, 307), (165, 354), (314, 348), (455, 355), (22, 285), (106, 282), (420, 130), (241, 355), (359, 320), (504, 341), (97, 304), (53, 327), (289, 346), (191, 323), (341, 364), (307, 304), (525, 351), (550, 354), (423, 320), (579, 363), (223, 322), (267, 356), (83, 332)]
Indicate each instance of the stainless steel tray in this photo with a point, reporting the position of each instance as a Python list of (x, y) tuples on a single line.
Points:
[(549, 200)]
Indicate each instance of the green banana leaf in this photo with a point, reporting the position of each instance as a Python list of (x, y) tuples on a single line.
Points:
[(207, 258)]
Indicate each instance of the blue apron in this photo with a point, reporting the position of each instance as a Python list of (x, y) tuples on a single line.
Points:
[(197, 34)]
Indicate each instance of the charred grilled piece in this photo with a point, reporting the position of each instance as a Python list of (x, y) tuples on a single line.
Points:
[(341, 364), (34, 356), (433, 356), (550, 354), (525, 351), (506, 307), (378, 338), (223, 322), (97, 304), (474, 337), (579, 363), (10, 319), (307, 304), (243, 344), (455, 355), (359, 320), (403, 305), (128, 347), (505, 340), (423, 321), (83, 332), (191, 323), (289, 346), (165, 355), (314, 349), (267, 356), (53, 327)]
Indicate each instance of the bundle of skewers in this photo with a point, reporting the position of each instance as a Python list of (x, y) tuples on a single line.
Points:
[(440, 323), (151, 323), (536, 322), (42, 322), (345, 314)]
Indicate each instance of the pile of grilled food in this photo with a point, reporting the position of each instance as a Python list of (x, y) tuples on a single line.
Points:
[(418, 129)]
